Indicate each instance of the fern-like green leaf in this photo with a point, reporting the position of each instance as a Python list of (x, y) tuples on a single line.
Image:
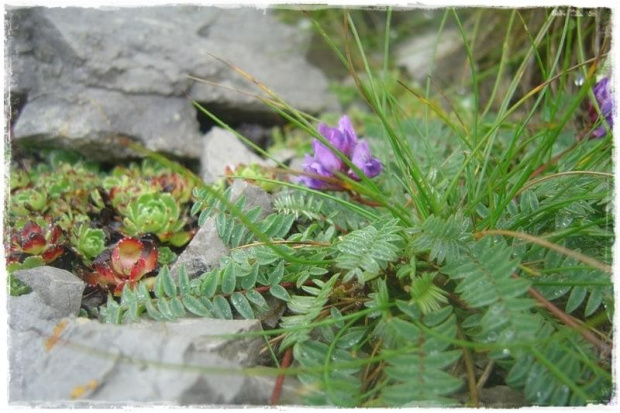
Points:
[(445, 239), (367, 251), (306, 310), (418, 377), (338, 385)]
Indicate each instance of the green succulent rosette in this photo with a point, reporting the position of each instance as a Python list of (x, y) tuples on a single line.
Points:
[(166, 256), (124, 189), (159, 214), (19, 179), (88, 242), (27, 200)]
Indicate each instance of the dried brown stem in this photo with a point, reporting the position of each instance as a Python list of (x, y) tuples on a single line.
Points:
[(471, 376), (570, 321), (287, 359)]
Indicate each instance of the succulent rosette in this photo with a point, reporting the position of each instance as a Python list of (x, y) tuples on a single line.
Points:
[(37, 238), (19, 179), (127, 262), (176, 185), (159, 214), (124, 189), (26, 201), (326, 163), (88, 242)]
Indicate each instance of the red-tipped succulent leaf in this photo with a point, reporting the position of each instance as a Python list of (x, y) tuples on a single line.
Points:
[(33, 239), (128, 261), (133, 258)]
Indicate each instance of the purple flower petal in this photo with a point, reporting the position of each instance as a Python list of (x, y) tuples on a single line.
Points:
[(326, 163), (604, 98), (328, 160), (346, 128), (362, 158), (336, 137), (311, 165)]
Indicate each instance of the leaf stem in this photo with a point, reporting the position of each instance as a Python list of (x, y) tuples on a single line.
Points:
[(287, 359), (544, 243)]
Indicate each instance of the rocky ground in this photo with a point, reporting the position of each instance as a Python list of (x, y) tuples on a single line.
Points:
[(85, 78)]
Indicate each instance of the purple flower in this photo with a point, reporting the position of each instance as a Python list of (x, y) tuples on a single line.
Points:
[(343, 138), (602, 93), (326, 163), (361, 158), (311, 165), (329, 160)]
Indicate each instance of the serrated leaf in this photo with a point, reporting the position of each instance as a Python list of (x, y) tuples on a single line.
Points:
[(222, 308), (280, 292), (242, 305)]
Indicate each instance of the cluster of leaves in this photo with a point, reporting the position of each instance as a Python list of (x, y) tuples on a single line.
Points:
[(404, 343), (66, 212), (482, 240)]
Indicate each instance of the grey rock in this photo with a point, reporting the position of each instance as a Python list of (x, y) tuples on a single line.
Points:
[(222, 148), (284, 155), (95, 121), (416, 55), (297, 164), (176, 363), (254, 196), (56, 290), (204, 251), (32, 318), (277, 308), (133, 55)]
